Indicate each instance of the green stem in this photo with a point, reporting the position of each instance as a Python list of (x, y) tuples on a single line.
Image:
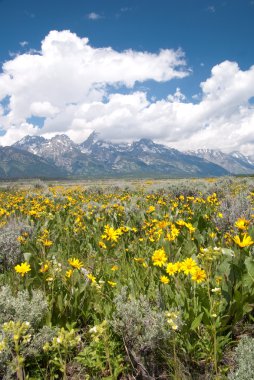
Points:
[(195, 300), (108, 355), (213, 326), (175, 360), (215, 356), (20, 373)]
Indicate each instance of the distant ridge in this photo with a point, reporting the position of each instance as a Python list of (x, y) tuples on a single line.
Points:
[(58, 157), (235, 162), (16, 163), (96, 158)]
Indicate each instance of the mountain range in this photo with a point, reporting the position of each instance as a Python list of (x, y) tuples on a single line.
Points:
[(58, 157), (15, 163), (234, 163)]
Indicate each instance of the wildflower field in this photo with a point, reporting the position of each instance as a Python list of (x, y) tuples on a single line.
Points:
[(144, 280)]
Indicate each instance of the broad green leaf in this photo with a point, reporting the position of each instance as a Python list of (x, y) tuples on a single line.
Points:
[(27, 256), (197, 321)]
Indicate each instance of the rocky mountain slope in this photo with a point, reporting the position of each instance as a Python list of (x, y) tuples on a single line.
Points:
[(235, 162), (98, 158), (16, 163)]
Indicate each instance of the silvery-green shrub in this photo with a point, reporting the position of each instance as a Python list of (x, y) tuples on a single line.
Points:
[(23, 307), (143, 328), (244, 358), (10, 248)]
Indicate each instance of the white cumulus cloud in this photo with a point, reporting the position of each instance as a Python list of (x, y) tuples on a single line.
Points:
[(43, 109), (68, 71), (69, 82)]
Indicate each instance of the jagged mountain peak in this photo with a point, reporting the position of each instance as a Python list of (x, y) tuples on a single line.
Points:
[(94, 136), (145, 141), (31, 144), (61, 137), (91, 139), (30, 140), (86, 146), (39, 140), (62, 140), (95, 145), (148, 146)]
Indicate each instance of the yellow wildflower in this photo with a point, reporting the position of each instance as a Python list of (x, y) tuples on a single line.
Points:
[(188, 265), (190, 227), (21, 239), (180, 222), (102, 245), (23, 268), (242, 224), (112, 283), (75, 263), (111, 234), (198, 275), (151, 209), (174, 232), (69, 273), (164, 279), (114, 267), (178, 266), (245, 242), (91, 277), (159, 257), (162, 224), (47, 243), (44, 267), (171, 269)]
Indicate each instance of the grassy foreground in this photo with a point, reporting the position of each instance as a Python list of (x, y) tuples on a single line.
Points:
[(144, 280)]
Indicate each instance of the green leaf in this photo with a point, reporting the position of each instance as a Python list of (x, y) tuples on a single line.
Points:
[(27, 256), (249, 263), (197, 321), (60, 302), (228, 252)]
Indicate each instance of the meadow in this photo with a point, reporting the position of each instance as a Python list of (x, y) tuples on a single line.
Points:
[(127, 280)]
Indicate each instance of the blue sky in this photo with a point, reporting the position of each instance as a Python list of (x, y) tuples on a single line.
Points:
[(210, 34)]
